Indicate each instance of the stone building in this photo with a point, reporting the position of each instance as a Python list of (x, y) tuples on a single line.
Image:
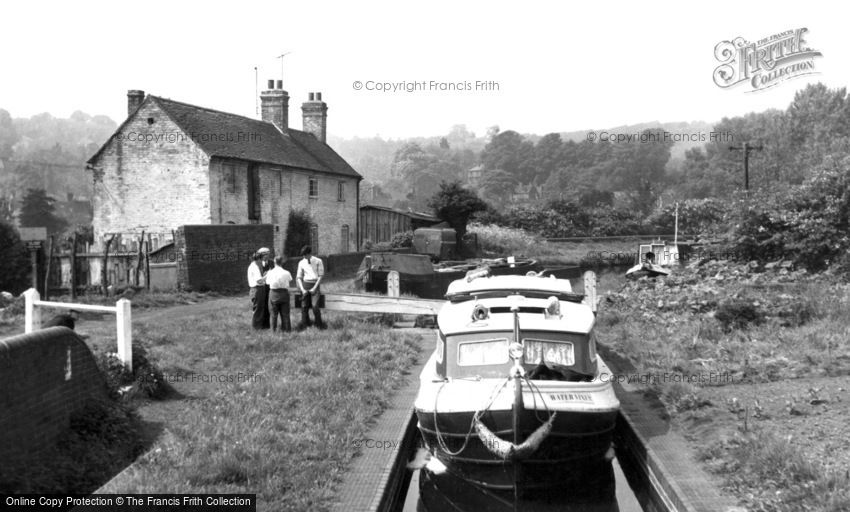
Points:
[(171, 164)]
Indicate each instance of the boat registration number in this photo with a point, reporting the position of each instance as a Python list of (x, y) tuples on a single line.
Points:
[(571, 397)]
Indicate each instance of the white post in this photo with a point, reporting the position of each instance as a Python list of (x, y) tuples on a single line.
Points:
[(124, 324), (590, 289), (393, 285), (32, 315)]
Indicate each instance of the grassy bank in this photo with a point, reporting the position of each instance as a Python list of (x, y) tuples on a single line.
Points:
[(752, 364), (501, 241), (257, 413)]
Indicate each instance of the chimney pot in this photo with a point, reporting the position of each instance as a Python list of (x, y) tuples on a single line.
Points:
[(315, 116), (274, 107), (135, 98), (280, 84), (271, 84)]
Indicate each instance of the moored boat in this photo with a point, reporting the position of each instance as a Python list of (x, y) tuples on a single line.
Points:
[(419, 276), (515, 395), (654, 260)]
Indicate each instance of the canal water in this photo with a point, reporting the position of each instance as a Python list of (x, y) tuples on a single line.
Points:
[(605, 490)]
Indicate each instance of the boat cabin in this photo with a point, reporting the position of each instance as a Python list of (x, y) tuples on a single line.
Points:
[(487, 315), (663, 254)]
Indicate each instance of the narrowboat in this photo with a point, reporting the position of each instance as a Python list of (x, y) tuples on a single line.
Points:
[(514, 396)]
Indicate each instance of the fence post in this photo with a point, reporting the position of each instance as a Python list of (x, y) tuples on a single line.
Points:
[(32, 315), (393, 288), (125, 333), (590, 290)]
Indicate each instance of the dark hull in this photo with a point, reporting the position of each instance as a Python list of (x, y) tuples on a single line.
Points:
[(594, 491), (577, 440), (433, 283)]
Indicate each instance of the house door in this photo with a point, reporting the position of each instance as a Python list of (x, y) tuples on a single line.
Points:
[(253, 192), (343, 246)]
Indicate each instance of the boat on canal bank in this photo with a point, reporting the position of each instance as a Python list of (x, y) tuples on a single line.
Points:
[(515, 395), (419, 276)]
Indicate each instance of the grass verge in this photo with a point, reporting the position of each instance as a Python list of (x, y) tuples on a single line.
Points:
[(255, 412)]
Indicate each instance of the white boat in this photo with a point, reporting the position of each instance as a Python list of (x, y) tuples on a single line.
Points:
[(657, 258), (515, 395)]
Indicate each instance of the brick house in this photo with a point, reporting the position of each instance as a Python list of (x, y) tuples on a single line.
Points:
[(172, 164)]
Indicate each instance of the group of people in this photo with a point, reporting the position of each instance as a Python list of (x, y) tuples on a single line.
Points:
[(269, 284)]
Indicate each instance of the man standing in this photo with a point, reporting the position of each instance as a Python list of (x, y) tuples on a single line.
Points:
[(278, 280), (259, 289), (309, 276)]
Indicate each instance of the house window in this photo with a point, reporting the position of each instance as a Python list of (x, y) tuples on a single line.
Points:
[(229, 171), (340, 191), (343, 246), (314, 188), (314, 238), (279, 181)]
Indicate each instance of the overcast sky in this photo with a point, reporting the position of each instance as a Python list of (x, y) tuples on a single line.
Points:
[(559, 66)]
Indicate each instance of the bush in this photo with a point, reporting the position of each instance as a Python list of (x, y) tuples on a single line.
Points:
[(502, 240), (738, 314), (402, 240), (14, 261), (297, 232), (696, 216), (145, 378), (807, 224)]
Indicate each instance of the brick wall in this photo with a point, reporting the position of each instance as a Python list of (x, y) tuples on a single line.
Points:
[(155, 185), (40, 390), (282, 189), (216, 257)]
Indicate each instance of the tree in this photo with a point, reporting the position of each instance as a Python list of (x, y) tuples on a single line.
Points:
[(639, 167), (498, 185), (37, 210), (8, 135), (14, 261), (297, 232), (547, 155), (510, 152), (455, 205)]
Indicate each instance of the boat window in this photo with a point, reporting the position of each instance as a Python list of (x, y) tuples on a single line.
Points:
[(548, 351), (476, 353)]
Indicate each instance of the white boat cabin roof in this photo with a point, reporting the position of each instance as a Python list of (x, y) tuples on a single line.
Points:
[(456, 317)]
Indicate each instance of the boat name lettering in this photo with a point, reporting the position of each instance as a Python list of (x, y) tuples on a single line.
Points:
[(571, 397)]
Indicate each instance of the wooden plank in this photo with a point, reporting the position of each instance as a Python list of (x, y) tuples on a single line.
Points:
[(79, 307), (381, 304)]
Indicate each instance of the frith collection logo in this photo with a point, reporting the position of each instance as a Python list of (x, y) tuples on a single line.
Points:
[(765, 63)]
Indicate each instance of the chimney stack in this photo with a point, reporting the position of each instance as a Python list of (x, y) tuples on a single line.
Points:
[(315, 116), (275, 105), (134, 100)]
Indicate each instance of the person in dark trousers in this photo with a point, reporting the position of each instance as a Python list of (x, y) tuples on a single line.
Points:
[(259, 289), (309, 277), (278, 280)]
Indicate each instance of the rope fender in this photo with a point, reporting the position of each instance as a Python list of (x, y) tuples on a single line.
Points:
[(506, 450)]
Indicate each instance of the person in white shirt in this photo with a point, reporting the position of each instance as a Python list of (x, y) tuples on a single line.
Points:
[(278, 280), (259, 290), (309, 276)]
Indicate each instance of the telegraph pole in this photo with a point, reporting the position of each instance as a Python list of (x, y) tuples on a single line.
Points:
[(746, 148)]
